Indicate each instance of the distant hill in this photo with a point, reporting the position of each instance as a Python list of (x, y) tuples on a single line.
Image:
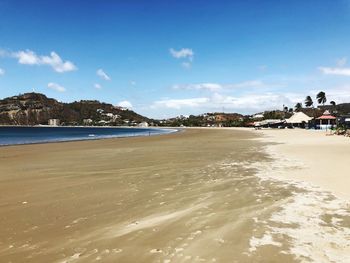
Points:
[(340, 109), (35, 108), (206, 119)]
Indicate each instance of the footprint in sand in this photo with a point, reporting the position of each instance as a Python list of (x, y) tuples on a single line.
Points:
[(220, 240), (117, 250), (156, 250)]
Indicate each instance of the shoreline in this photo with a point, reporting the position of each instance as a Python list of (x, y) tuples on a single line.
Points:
[(92, 138), (85, 126)]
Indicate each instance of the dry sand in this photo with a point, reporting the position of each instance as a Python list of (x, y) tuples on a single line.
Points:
[(318, 164), (320, 159), (203, 195)]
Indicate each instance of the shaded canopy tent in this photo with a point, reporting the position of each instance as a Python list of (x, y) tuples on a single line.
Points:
[(299, 119), (326, 121)]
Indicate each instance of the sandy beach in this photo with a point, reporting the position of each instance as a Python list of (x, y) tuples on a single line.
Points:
[(202, 195), (322, 158)]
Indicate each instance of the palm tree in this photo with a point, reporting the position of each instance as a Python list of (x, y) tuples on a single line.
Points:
[(308, 101), (290, 110), (298, 106), (321, 98), (334, 108)]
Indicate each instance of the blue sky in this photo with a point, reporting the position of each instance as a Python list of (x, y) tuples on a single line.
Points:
[(165, 58)]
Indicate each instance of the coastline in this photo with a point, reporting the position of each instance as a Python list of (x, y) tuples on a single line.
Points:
[(161, 131)]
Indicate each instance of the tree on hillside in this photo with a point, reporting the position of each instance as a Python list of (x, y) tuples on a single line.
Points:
[(321, 98), (285, 109), (308, 101), (334, 108), (298, 106), (290, 110)]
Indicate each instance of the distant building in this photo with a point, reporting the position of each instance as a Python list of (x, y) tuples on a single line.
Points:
[(143, 124), (344, 120), (258, 116), (103, 122), (326, 121), (120, 108), (87, 121), (54, 122), (110, 115), (273, 123)]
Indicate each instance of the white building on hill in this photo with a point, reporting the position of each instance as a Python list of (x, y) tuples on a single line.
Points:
[(54, 122), (143, 124)]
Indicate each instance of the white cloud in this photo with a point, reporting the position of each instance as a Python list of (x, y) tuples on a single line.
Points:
[(179, 103), (341, 62), (335, 71), (182, 53), (29, 57), (252, 102), (200, 86), (97, 86), (57, 64), (102, 74), (213, 87), (2, 72), (247, 103), (56, 87), (125, 104)]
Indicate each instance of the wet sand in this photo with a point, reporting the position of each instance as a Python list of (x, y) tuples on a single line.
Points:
[(194, 196)]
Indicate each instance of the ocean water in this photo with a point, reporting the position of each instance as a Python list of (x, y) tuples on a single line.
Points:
[(29, 135)]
